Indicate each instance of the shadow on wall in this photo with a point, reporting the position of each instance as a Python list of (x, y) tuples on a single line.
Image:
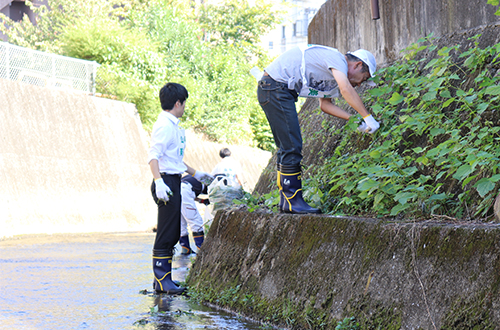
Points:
[(203, 155)]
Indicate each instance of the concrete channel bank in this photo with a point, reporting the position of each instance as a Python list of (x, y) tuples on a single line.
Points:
[(309, 271)]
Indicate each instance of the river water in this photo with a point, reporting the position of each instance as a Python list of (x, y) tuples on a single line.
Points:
[(95, 281)]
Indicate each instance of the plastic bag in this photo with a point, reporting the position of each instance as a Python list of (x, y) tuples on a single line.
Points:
[(222, 191)]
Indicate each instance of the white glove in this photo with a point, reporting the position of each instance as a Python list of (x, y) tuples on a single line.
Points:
[(372, 124), (202, 176), (362, 128), (162, 190)]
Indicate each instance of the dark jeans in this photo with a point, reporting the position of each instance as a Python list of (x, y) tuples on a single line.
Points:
[(278, 102), (168, 228)]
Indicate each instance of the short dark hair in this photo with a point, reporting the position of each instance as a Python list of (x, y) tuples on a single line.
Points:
[(352, 58), (171, 93), (224, 152)]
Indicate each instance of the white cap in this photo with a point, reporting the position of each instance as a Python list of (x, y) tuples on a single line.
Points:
[(367, 58)]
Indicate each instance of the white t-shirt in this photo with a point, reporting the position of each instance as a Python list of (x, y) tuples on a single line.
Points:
[(318, 62), (228, 166), (168, 144)]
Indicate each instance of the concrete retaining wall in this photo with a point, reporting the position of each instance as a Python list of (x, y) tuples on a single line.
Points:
[(308, 271), (71, 163), (347, 25)]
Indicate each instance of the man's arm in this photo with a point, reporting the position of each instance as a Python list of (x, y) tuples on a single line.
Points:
[(349, 93), (155, 168), (190, 170), (198, 175), (326, 105)]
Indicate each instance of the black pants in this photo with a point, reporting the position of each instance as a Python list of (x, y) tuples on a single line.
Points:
[(278, 103), (169, 214)]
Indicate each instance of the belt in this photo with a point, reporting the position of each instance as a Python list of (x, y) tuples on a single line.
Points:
[(178, 175)]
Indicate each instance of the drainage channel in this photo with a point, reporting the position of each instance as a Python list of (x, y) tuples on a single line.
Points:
[(95, 281)]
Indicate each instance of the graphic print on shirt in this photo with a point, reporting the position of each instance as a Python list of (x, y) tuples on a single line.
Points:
[(182, 141), (316, 86)]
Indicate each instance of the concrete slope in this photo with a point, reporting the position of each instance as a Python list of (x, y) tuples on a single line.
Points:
[(71, 163)]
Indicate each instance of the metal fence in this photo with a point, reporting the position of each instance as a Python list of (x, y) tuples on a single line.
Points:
[(44, 69)]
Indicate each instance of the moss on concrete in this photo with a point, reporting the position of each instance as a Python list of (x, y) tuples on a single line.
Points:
[(309, 272)]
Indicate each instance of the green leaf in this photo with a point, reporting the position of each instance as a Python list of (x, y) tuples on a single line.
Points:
[(436, 131), (493, 2), (375, 154), (398, 208), (471, 98), (376, 91), (429, 96), (492, 90), (377, 199), (403, 197), (410, 170), (495, 178), (482, 107), (446, 93), (484, 186), (462, 172), (447, 103), (437, 197), (396, 98), (469, 179), (367, 184)]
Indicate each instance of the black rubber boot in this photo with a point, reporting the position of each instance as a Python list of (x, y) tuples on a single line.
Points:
[(162, 269), (290, 186), (278, 178), (186, 248), (199, 237)]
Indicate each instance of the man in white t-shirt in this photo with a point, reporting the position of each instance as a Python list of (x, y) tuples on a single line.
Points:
[(313, 71), (166, 161), (228, 167)]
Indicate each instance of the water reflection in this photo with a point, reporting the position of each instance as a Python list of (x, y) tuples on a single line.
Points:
[(94, 282)]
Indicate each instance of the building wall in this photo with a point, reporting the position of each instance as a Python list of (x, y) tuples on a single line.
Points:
[(292, 32), (347, 25)]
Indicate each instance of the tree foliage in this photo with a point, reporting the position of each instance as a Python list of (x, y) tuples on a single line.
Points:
[(142, 44)]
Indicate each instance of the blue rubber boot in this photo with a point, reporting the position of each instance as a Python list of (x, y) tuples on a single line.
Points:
[(199, 237), (186, 248), (290, 186), (162, 269)]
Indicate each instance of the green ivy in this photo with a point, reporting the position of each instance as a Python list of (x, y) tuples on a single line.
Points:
[(437, 150)]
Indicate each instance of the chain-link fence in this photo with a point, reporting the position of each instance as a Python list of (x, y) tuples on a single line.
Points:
[(44, 69)]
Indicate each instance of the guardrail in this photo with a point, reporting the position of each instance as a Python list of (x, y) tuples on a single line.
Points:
[(45, 69)]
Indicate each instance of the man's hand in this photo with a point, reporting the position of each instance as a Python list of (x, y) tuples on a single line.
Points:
[(362, 128), (371, 124), (162, 190), (203, 176)]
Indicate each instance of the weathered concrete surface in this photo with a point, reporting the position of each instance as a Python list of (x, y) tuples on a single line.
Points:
[(71, 163), (347, 25), (315, 269)]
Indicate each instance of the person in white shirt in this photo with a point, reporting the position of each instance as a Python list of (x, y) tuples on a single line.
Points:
[(312, 71), (228, 167), (165, 158), (190, 216)]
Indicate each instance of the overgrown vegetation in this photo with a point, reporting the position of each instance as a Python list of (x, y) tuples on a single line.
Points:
[(142, 44), (495, 3), (437, 151)]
